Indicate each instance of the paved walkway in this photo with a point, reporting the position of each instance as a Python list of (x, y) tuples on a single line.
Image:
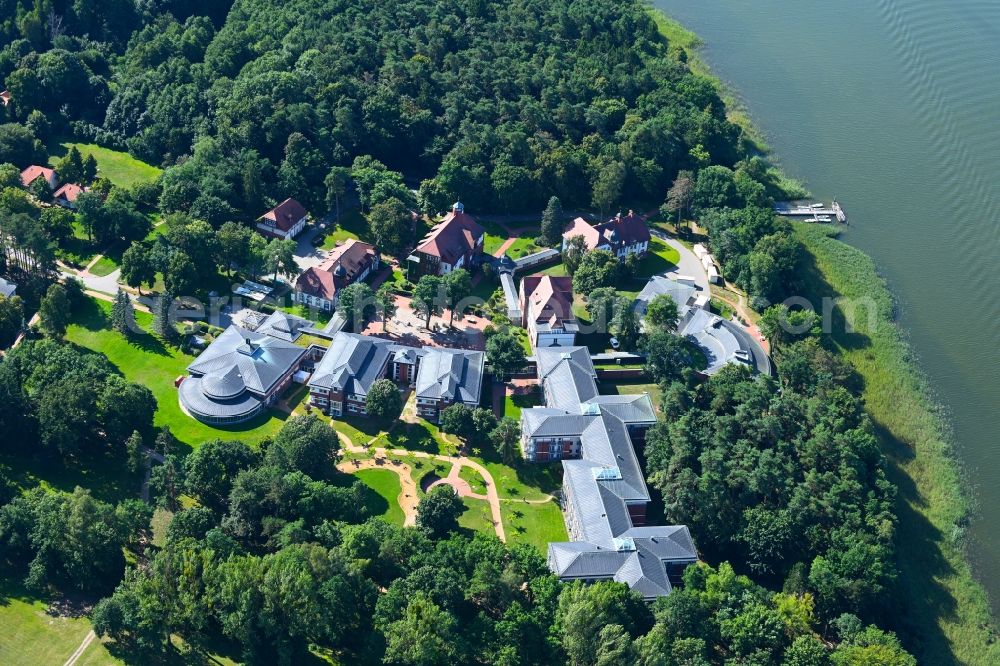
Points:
[(503, 247), (460, 485), (457, 463)]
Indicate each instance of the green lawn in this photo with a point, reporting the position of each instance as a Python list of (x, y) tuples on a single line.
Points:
[(148, 361), (384, 501), (523, 246), (117, 166), (513, 404), (359, 430), (32, 636), (420, 436), (474, 479), (556, 270), (495, 237), (352, 224), (104, 266), (660, 258), (535, 524), (523, 480), (477, 516)]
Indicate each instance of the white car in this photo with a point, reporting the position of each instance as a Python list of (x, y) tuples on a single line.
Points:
[(614, 343)]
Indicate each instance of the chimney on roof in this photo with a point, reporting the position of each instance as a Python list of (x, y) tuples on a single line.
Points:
[(630, 212)]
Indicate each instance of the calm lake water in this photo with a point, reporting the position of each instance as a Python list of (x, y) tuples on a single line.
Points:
[(893, 106)]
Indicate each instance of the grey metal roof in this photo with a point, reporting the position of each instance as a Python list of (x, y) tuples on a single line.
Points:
[(453, 374), (723, 342), (632, 409), (352, 363), (580, 559), (552, 422), (600, 485), (284, 326), (644, 574), (606, 443), (259, 360), (667, 542), (7, 288), (223, 385), (568, 375), (194, 399), (510, 296), (657, 285)]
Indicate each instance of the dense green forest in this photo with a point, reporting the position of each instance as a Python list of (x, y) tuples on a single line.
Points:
[(503, 104)]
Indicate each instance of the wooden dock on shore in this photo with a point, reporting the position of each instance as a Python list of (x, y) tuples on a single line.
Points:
[(834, 211)]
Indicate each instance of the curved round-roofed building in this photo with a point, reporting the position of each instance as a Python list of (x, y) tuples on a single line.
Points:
[(238, 376)]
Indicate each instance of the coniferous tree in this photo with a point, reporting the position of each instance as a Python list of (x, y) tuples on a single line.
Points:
[(162, 325), (552, 222), (121, 313), (133, 449)]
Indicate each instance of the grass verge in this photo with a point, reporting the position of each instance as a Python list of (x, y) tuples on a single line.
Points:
[(534, 523)]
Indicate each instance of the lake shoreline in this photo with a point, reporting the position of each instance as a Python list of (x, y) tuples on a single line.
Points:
[(947, 617)]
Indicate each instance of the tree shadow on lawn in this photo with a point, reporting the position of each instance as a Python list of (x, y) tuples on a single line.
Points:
[(543, 478), (417, 437), (90, 316), (375, 505), (102, 472)]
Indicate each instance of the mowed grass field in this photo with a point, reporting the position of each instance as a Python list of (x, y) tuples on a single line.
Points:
[(32, 636), (117, 166), (147, 360)]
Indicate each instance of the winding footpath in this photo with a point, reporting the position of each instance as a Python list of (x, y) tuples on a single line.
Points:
[(405, 477), (408, 498)]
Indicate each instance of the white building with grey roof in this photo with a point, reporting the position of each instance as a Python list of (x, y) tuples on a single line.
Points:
[(604, 494), (238, 376)]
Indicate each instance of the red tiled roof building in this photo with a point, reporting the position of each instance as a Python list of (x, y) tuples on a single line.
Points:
[(284, 221), (622, 235), (321, 285), (455, 242)]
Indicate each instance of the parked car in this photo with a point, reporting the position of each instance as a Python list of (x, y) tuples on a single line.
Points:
[(317, 240), (614, 343)]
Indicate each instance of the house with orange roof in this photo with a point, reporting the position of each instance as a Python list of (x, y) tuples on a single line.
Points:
[(546, 304), (622, 235), (34, 172), (456, 242), (284, 221), (67, 194), (351, 262)]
